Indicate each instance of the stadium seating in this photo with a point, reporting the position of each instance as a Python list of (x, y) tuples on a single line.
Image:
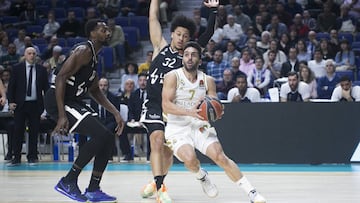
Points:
[(348, 73), (142, 23), (132, 36)]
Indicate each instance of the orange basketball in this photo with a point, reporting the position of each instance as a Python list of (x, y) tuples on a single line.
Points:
[(211, 109)]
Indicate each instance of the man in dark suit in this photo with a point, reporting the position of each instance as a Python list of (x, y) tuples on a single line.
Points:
[(105, 116), (291, 65), (28, 83), (136, 101)]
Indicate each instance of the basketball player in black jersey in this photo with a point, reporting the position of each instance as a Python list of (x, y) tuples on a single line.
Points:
[(63, 102), (166, 57)]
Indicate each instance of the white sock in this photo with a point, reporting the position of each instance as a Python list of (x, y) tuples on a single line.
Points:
[(244, 184), (200, 174)]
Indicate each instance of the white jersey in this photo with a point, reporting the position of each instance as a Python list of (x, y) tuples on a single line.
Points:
[(187, 94)]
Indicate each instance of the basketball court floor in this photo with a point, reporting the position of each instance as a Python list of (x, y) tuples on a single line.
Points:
[(331, 183)]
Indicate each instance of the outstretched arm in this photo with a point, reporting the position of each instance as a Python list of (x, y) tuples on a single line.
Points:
[(156, 37), (205, 37)]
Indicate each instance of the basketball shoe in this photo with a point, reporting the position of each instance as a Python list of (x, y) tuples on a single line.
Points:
[(148, 190), (71, 190), (208, 187), (255, 197), (99, 196), (163, 196)]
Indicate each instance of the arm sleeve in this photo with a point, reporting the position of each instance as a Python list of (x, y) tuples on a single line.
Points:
[(205, 37)]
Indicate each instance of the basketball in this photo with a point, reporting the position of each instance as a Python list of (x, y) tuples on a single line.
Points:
[(211, 109)]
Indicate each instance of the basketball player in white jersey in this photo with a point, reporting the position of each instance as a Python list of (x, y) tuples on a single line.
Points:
[(185, 131)]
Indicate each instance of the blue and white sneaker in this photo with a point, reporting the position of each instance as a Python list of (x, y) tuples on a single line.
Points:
[(99, 196), (71, 190)]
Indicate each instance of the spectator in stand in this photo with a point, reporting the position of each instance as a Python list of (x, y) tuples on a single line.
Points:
[(318, 64), (264, 43), (144, 67), (252, 48), (280, 55), (19, 41), (326, 49), (345, 58), (258, 25), (216, 67), (54, 61), (354, 8), (108, 9), (326, 20), (302, 54), (284, 43), (293, 7), (11, 58), (5, 77), (334, 41), (71, 27), (124, 96), (294, 90), (298, 25), (247, 64), (327, 83), (51, 27), (28, 43), (200, 28), (250, 8), (242, 93), (232, 31), (284, 15), (294, 38), (90, 14), (230, 7), (218, 36), (117, 41), (4, 46), (208, 53), (143, 8), (47, 53), (259, 77), (5, 7), (224, 86), (278, 26), (307, 76), (128, 8), (265, 14), (312, 43), (131, 72), (346, 92), (273, 66), (29, 16), (221, 17), (235, 64), (241, 18), (231, 52), (308, 20), (291, 65), (345, 22)]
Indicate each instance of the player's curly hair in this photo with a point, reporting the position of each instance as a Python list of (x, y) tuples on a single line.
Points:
[(185, 22)]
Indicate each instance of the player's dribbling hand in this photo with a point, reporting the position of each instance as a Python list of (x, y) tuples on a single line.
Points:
[(211, 3), (62, 126), (120, 124)]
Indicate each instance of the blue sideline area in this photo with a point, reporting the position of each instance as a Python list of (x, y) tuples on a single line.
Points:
[(61, 166)]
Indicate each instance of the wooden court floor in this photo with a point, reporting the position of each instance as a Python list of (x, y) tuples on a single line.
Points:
[(308, 186)]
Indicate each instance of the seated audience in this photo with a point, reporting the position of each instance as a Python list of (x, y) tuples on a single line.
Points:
[(144, 67), (216, 67), (327, 83), (259, 77), (292, 64), (294, 90), (346, 91), (243, 93), (307, 76), (318, 64), (345, 58), (247, 64), (131, 72), (223, 87)]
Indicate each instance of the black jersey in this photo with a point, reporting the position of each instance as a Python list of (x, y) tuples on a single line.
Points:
[(78, 84), (165, 61)]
